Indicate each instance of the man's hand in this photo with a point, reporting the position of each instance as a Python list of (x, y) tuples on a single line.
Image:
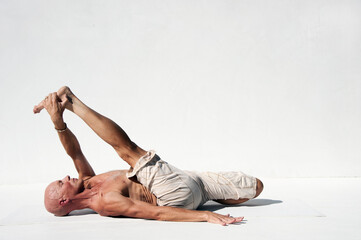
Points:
[(64, 95), (55, 108), (222, 219)]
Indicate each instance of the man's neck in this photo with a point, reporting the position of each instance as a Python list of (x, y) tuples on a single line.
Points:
[(84, 199)]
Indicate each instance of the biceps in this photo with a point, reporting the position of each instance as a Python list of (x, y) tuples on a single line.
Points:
[(117, 205)]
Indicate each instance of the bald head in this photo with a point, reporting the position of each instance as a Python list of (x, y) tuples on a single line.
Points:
[(62, 196), (53, 199)]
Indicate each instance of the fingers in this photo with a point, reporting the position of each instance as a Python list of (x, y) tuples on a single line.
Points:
[(224, 220), (228, 219), (51, 98), (51, 104), (41, 105), (38, 107), (47, 101)]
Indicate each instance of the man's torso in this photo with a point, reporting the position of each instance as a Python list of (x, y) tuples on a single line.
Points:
[(116, 181)]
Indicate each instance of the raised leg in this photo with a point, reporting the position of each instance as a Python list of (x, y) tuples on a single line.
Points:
[(104, 127)]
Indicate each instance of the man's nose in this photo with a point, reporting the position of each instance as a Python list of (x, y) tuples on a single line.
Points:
[(67, 178)]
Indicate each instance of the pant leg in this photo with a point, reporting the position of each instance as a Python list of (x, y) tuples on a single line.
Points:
[(226, 185)]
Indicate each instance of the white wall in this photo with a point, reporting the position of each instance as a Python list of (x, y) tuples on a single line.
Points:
[(272, 88)]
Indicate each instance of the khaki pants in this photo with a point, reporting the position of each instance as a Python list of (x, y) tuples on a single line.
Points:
[(188, 189)]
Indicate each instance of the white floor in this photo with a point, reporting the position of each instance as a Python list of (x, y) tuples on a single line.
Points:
[(287, 209)]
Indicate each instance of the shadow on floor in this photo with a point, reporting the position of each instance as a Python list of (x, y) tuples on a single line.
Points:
[(88, 211), (260, 202), (209, 206), (214, 206), (84, 211)]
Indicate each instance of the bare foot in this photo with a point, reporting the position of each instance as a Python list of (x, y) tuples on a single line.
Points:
[(39, 107), (65, 96)]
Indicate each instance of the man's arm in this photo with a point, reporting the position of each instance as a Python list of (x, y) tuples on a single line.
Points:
[(70, 143), (114, 204), (72, 148)]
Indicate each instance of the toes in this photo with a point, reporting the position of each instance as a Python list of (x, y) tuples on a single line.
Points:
[(36, 109), (39, 107)]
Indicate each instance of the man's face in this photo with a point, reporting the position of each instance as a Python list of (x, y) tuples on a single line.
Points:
[(67, 187)]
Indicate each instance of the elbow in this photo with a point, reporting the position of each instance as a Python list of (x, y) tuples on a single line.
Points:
[(160, 217), (103, 214), (160, 214)]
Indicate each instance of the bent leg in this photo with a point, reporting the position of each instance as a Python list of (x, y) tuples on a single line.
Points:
[(229, 187), (259, 189)]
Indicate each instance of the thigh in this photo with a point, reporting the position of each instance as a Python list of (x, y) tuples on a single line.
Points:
[(171, 186)]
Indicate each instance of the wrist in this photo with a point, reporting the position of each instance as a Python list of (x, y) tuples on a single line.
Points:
[(60, 130), (206, 216), (59, 124)]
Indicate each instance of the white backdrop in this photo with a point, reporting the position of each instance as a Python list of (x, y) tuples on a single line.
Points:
[(271, 88)]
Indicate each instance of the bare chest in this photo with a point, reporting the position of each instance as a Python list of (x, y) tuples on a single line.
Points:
[(116, 181)]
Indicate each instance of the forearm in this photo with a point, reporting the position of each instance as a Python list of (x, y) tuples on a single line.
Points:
[(184, 215), (72, 148), (181, 215), (67, 138)]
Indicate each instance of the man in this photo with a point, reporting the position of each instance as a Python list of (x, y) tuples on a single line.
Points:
[(151, 189)]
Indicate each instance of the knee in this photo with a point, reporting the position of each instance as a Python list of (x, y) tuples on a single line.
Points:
[(259, 188)]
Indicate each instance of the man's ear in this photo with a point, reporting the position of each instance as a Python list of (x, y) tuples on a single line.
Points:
[(63, 202)]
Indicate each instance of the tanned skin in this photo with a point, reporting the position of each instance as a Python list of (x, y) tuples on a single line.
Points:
[(111, 193)]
